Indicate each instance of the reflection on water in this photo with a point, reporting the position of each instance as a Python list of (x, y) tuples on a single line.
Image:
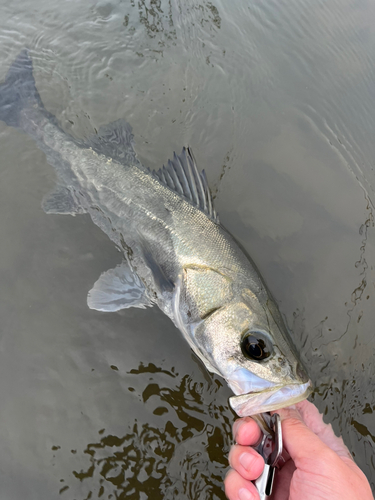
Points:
[(184, 457), (154, 19)]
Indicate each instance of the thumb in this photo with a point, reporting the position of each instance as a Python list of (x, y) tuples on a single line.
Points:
[(300, 442)]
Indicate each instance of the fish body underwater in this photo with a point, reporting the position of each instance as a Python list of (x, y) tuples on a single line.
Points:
[(177, 255)]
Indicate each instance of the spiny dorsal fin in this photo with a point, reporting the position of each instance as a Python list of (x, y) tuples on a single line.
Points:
[(182, 176)]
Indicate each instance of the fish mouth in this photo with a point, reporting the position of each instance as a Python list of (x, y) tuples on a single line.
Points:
[(271, 399)]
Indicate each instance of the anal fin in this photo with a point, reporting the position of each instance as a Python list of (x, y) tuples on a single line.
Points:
[(61, 201), (118, 288)]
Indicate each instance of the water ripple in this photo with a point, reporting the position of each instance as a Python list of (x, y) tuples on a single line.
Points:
[(184, 456)]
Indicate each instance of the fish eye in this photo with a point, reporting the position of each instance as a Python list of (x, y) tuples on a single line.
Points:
[(256, 346)]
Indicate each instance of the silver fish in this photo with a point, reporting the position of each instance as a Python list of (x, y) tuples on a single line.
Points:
[(177, 255)]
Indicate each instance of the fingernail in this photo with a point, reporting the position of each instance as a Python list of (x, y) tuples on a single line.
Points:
[(244, 494), (237, 424), (246, 460)]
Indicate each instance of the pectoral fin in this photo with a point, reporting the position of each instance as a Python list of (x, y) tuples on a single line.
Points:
[(162, 283), (116, 289)]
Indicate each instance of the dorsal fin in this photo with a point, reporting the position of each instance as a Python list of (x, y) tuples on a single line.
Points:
[(114, 140), (182, 176)]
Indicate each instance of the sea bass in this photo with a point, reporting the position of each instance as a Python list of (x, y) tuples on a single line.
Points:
[(177, 255)]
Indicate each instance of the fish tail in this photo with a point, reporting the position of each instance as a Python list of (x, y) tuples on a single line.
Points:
[(18, 90)]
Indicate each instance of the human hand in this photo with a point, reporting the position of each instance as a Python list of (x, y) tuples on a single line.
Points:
[(318, 465)]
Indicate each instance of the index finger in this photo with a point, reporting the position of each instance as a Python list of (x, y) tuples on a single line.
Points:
[(314, 420), (246, 432)]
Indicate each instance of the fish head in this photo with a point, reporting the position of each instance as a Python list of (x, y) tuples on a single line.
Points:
[(246, 342)]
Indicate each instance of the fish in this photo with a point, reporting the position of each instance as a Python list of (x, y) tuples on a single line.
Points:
[(176, 253)]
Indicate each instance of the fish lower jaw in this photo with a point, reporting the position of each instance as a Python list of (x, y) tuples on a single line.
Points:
[(275, 398)]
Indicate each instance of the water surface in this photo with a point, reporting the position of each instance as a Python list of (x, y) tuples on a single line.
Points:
[(277, 100)]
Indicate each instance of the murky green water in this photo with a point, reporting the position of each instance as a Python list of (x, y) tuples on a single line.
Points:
[(277, 100)]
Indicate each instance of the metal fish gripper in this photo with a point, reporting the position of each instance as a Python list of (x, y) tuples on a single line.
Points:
[(271, 449)]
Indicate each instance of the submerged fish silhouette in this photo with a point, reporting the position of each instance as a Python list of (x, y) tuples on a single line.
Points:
[(176, 253)]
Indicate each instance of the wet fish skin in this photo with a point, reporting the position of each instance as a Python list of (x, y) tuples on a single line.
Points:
[(176, 253)]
